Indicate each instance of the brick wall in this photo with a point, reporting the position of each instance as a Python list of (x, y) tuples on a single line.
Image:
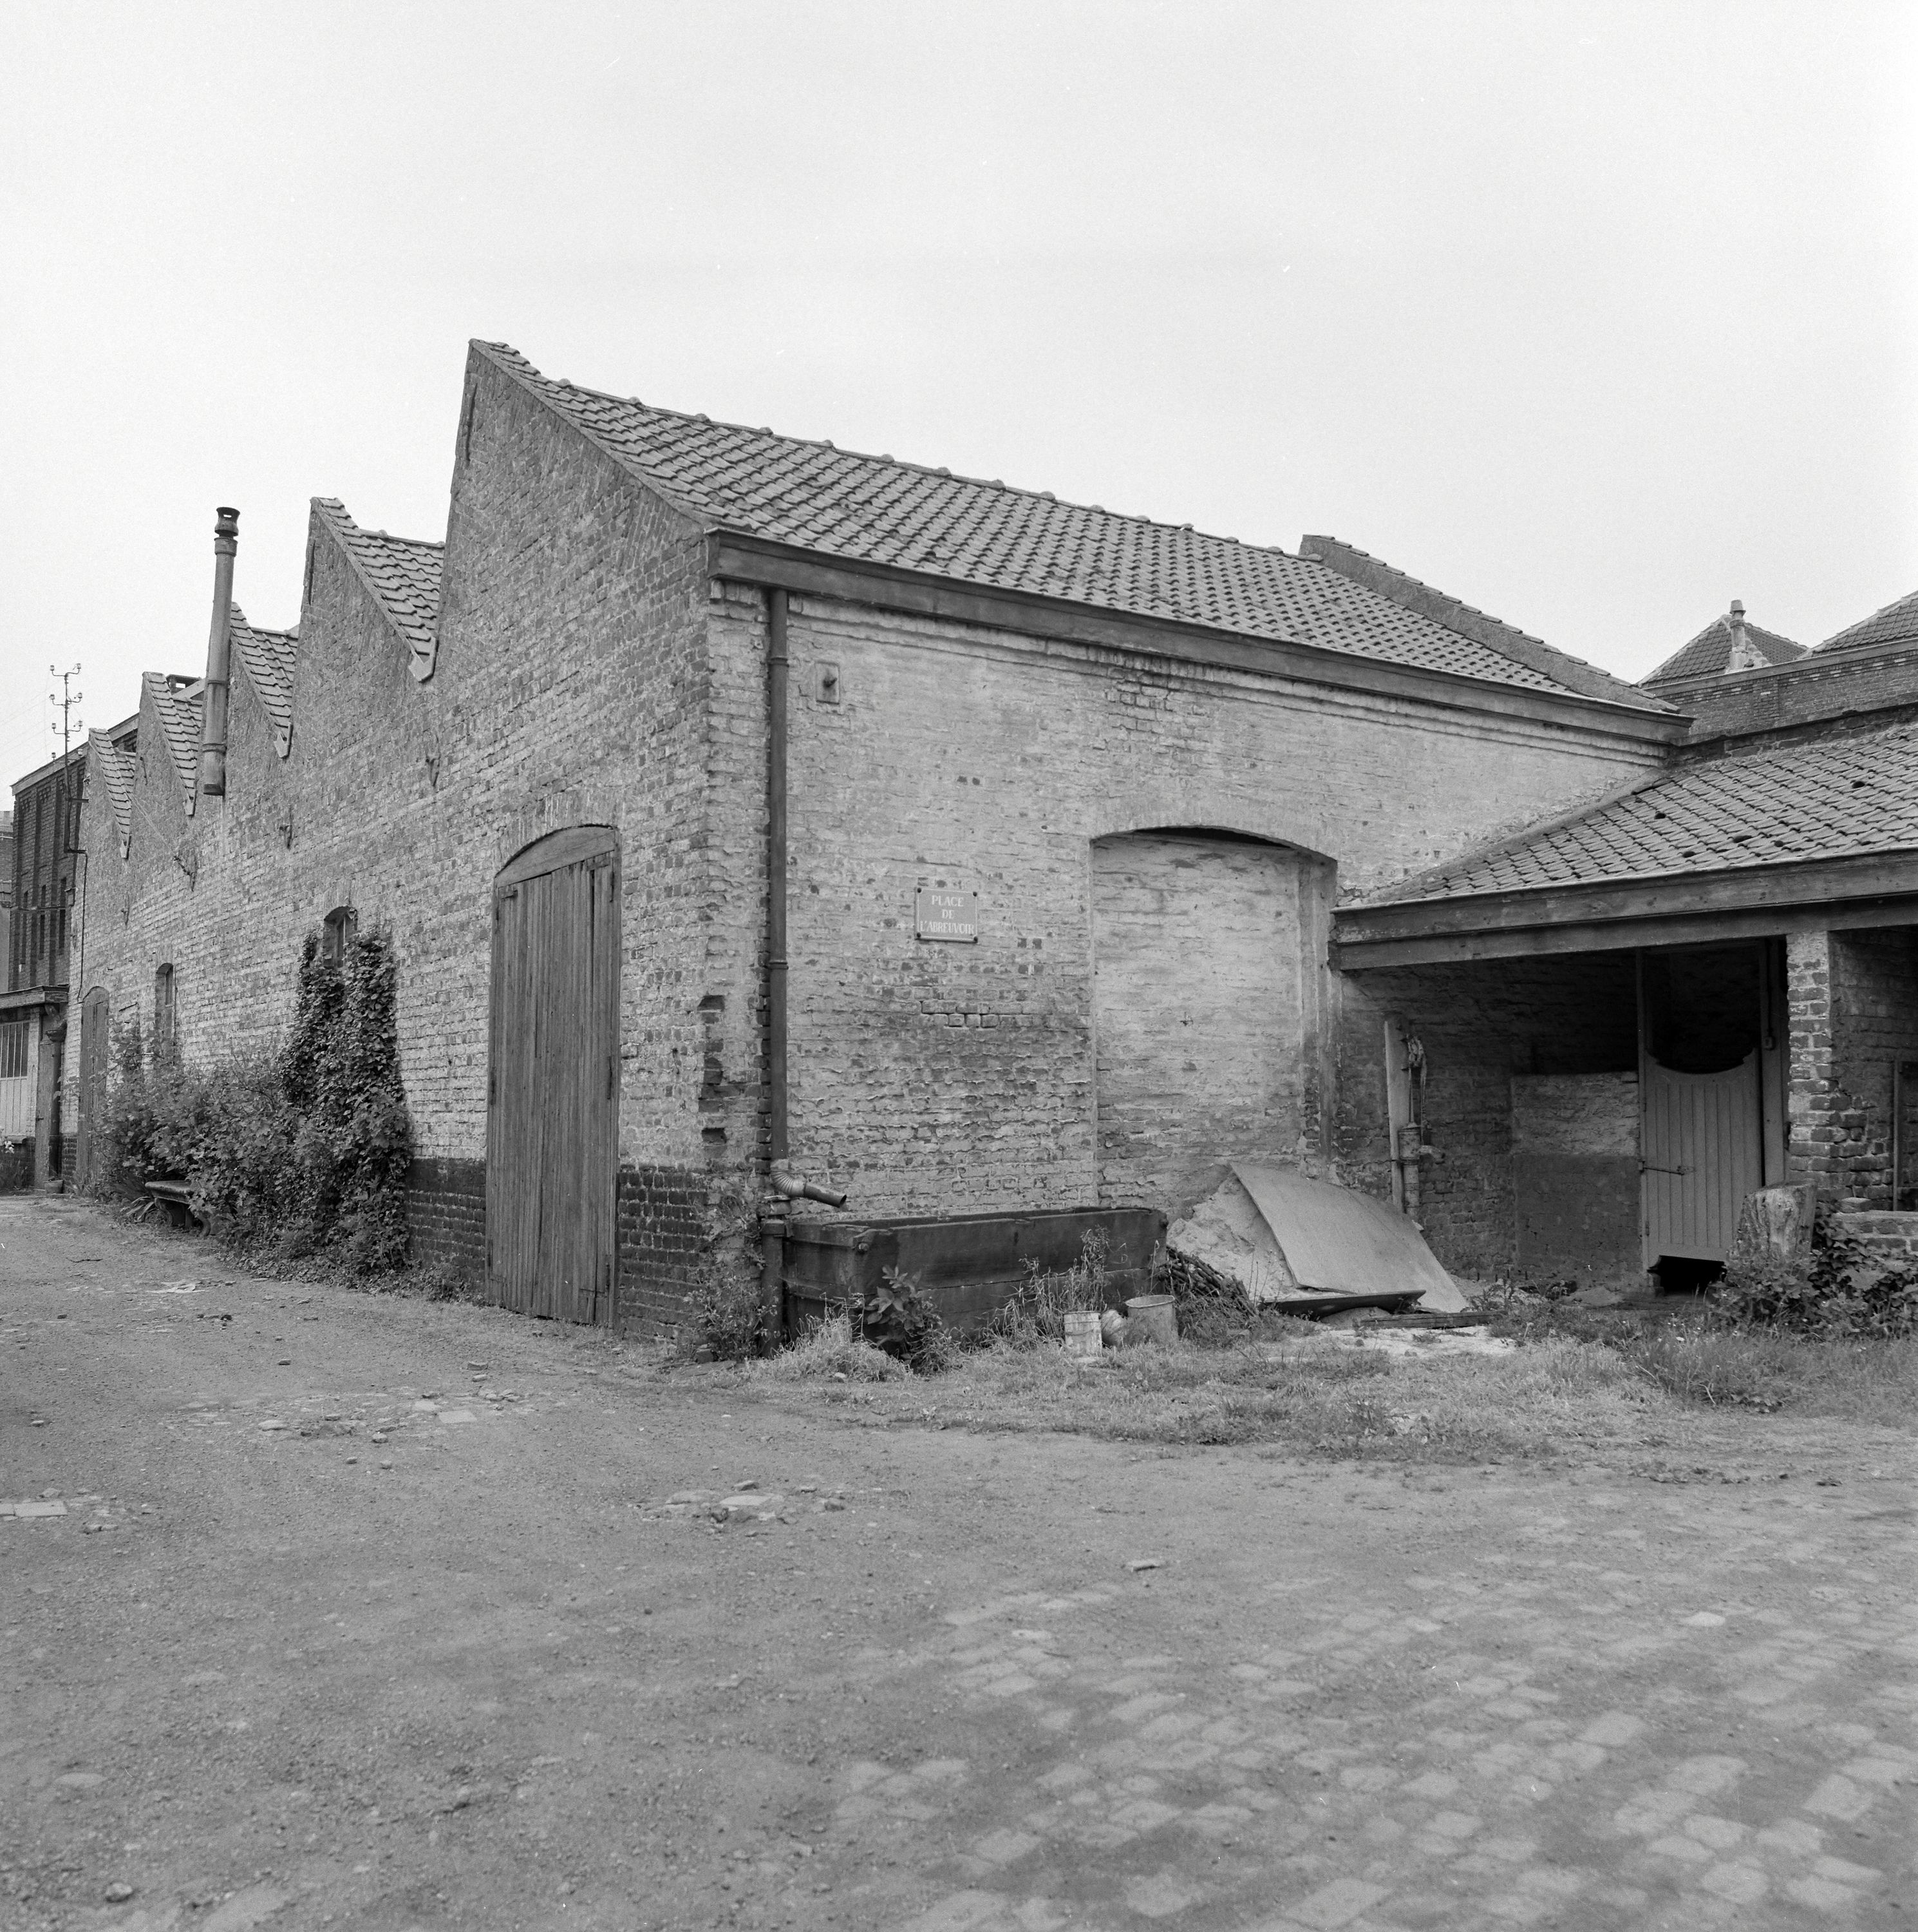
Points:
[(666, 1228), (446, 1215), (995, 762), (1576, 1196), (1854, 1012), (1822, 685), (1482, 1025), (1892, 1238), (1200, 1052)]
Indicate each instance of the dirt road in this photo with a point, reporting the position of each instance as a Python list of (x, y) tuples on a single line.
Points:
[(374, 1612)]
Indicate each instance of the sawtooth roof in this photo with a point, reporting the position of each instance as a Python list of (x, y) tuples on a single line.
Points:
[(1834, 798), (875, 509), (1897, 623), (114, 771), (269, 658), (1706, 655), (179, 724), (404, 574)]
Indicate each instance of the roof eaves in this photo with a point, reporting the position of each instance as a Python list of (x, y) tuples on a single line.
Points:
[(750, 558)]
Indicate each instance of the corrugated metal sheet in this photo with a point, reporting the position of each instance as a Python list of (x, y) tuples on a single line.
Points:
[(1703, 1155), (1340, 1242)]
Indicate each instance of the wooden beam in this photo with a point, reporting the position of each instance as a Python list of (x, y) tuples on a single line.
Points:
[(743, 560), (1621, 935), (1871, 875)]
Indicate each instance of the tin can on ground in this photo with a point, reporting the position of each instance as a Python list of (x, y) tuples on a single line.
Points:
[(1082, 1334), (1152, 1317)]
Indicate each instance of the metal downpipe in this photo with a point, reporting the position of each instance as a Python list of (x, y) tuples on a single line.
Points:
[(219, 657), (772, 1225)]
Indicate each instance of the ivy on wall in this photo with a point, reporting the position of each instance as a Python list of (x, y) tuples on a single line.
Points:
[(303, 1149)]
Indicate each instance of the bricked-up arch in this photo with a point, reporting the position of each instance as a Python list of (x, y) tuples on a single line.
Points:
[(1207, 952), (553, 1082)]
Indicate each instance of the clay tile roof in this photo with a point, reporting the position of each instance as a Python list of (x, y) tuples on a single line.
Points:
[(179, 723), (402, 573), (1575, 673), (268, 658), (115, 771), (1896, 624), (837, 502), (1706, 654), (1837, 798)]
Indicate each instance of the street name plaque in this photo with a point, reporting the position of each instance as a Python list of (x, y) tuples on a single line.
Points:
[(952, 916)]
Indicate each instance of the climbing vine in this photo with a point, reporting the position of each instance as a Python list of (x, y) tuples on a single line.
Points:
[(303, 1149)]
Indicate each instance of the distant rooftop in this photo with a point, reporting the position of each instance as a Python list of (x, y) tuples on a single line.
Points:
[(1897, 623), (1731, 642)]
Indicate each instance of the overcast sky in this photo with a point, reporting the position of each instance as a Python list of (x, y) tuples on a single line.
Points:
[(1596, 316)]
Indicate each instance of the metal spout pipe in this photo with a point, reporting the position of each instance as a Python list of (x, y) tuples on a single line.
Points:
[(797, 1187), (219, 657)]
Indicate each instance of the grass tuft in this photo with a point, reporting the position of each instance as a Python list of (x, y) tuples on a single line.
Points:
[(830, 1351)]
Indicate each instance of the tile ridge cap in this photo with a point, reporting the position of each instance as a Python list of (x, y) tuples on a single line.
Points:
[(1467, 620), (342, 529)]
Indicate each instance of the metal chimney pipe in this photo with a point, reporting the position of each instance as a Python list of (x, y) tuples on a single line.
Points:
[(219, 657)]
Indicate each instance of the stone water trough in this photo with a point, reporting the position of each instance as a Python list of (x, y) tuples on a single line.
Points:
[(969, 1266)]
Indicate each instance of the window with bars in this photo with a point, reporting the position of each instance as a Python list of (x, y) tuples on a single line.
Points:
[(13, 1049)]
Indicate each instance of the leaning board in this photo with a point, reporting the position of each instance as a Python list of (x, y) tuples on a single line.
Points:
[(1337, 1242)]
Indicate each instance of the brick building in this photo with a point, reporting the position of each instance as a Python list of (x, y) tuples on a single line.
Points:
[(1068, 797), (40, 932), (1060, 808)]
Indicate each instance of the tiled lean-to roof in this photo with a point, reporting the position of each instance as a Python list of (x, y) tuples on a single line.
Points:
[(1897, 623), (114, 771), (1707, 655), (1837, 798), (179, 718), (403, 574), (268, 658), (837, 503)]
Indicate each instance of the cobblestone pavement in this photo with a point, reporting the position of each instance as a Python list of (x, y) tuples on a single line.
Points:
[(1598, 1707), (334, 1610)]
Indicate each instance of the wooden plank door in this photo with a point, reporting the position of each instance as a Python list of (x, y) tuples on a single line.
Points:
[(1703, 1152), (553, 1093), (96, 1022)]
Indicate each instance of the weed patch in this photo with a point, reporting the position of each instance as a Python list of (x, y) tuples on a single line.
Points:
[(1311, 1391), (300, 1151)]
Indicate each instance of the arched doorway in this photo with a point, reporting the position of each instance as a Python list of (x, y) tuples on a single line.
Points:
[(553, 1085)]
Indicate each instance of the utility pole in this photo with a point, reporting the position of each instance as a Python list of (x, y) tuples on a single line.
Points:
[(66, 703)]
